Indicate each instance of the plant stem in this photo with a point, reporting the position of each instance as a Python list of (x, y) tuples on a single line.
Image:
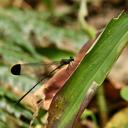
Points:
[(102, 106)]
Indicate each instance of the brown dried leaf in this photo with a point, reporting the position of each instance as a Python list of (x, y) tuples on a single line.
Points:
[(51, 87)]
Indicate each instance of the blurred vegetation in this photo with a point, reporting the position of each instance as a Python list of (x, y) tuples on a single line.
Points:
[(38, 31)]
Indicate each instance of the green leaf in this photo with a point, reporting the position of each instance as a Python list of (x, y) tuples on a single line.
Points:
[(89, 113), (93, 68), (12, 33), (9, 111), (124, 93)]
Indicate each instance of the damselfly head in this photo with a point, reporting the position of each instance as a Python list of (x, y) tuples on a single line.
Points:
[(16, 69), (71, 58)]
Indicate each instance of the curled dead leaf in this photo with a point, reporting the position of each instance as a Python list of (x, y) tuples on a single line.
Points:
[(51, 87)]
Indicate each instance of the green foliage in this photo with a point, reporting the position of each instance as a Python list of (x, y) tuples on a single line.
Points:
[(124, 93), (88, 113), (11, 112), (17, 44)]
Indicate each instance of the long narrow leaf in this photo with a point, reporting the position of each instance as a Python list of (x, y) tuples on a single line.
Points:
[(93, 68)]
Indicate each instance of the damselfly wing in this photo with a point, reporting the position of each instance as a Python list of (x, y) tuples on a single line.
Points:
[(32, 68), (18, 69)]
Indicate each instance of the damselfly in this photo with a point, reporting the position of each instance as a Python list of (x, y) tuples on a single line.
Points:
[(17, 70)]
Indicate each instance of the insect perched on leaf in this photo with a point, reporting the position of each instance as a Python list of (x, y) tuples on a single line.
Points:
[(17, 69)]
